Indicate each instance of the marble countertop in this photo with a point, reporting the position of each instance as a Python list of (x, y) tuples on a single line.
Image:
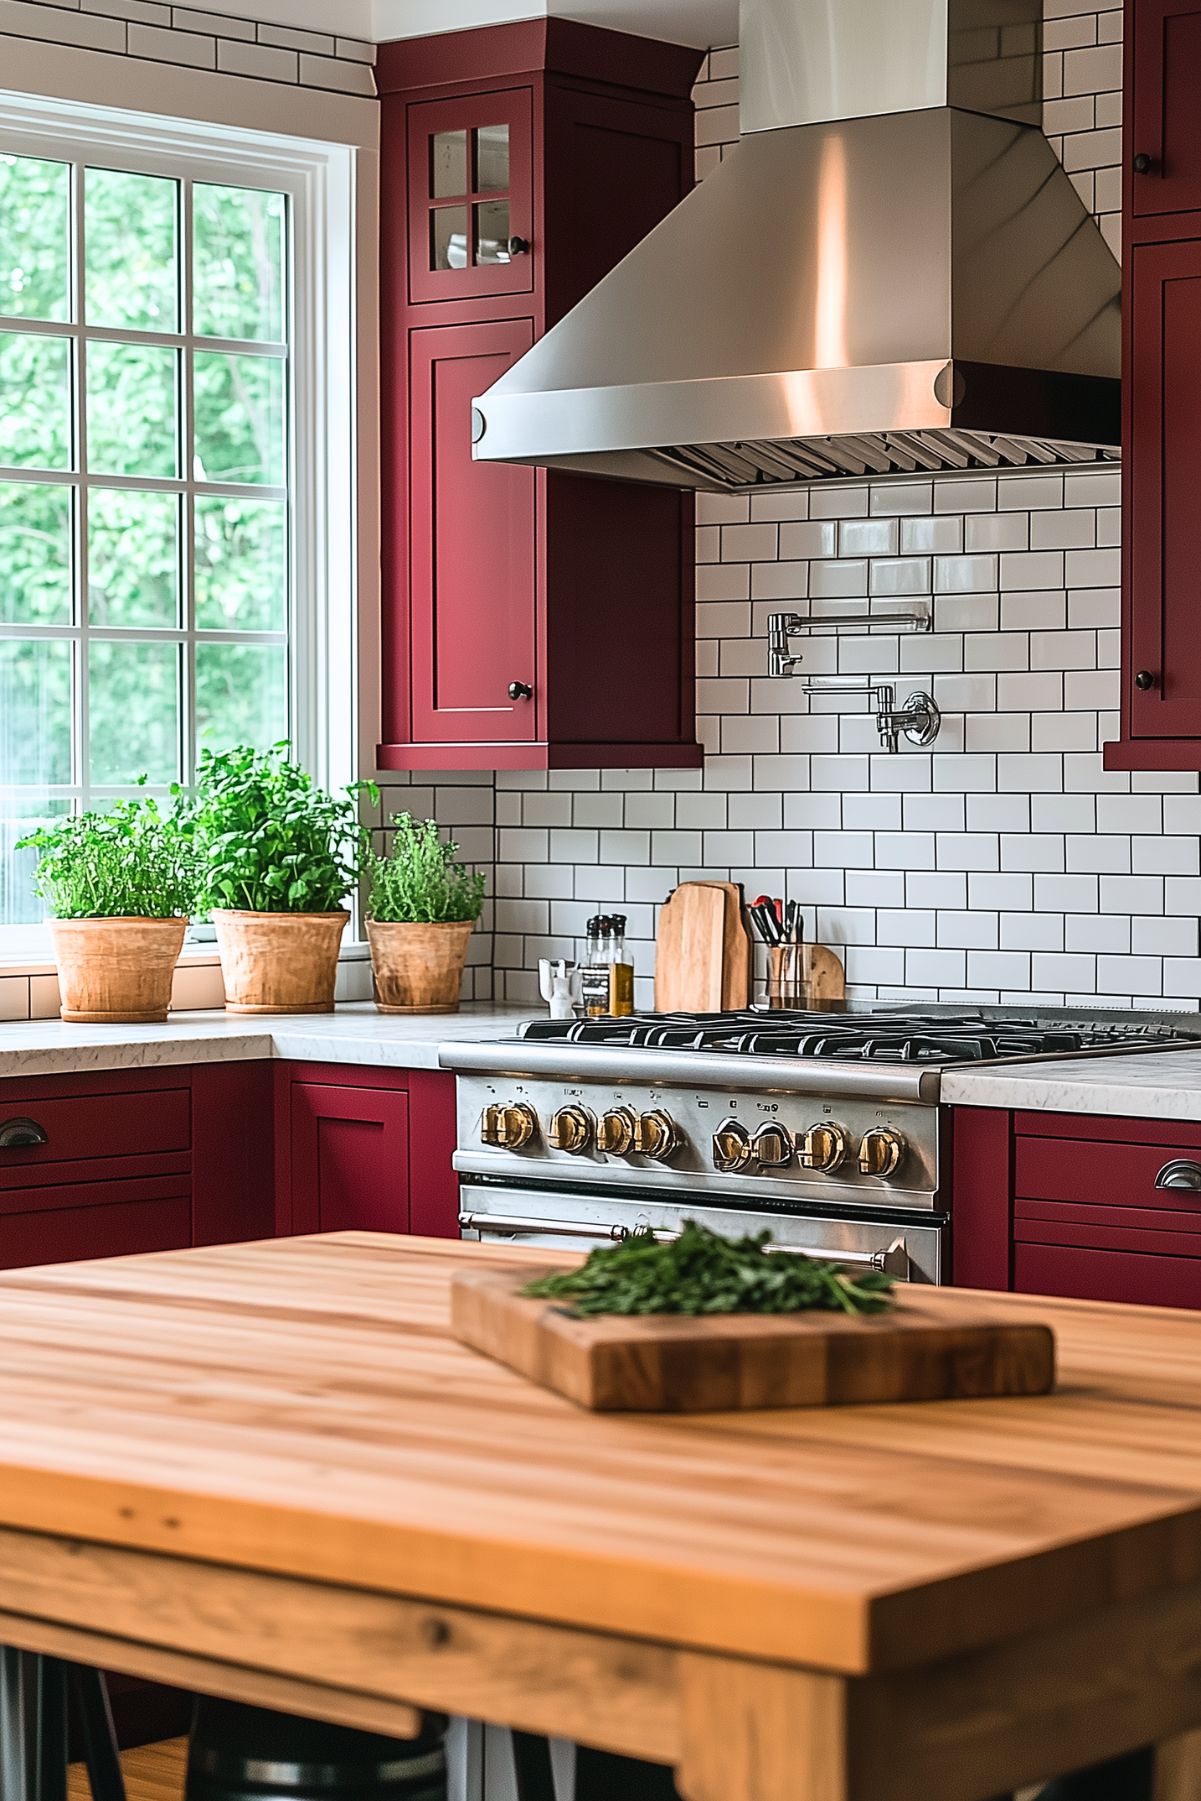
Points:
[(355, 1033), (1141, 1085)]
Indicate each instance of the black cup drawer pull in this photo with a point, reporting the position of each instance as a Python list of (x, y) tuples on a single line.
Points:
[(22, 1135), (1181, 1172)]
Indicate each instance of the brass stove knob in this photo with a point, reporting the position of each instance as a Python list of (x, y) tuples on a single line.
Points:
[(656, 1136), (731, 1146), (773, 1147), (823, 1148), (511, 1128), (571, 1129), (881, 1152), (615, 1134)]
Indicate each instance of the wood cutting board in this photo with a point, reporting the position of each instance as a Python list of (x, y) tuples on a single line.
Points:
[(936, 1346), (690, 950), (736, 949)]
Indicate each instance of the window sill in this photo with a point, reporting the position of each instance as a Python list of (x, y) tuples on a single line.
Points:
[(195, 956)]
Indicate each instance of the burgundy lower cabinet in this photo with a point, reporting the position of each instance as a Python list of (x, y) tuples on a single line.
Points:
[(364, 1150), (1062, 1204)]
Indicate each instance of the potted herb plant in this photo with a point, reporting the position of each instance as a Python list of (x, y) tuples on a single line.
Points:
[(119, 886), (277, 857), (423, 909)]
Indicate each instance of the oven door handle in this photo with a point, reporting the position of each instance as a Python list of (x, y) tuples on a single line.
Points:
[(509, 1222), (894, 1261)]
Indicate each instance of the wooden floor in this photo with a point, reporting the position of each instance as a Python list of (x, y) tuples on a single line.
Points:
[(155, 1773)]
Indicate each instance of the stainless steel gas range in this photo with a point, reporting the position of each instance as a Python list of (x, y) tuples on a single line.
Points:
[(824, 1128)]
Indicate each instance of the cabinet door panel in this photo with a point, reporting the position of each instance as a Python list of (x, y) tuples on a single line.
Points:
[(471, 189), (473, 547), (1164, 523), (350, 1159), (1167, 118)]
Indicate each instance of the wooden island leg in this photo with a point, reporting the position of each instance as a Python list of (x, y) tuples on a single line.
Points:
[(756, 1732)]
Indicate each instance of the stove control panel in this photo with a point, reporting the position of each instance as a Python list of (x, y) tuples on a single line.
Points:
[(856, 1148)]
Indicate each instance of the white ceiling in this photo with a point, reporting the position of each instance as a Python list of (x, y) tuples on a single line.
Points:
[(701, 22)]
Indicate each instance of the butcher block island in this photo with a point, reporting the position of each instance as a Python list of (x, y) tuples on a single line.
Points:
[(270, 1472)]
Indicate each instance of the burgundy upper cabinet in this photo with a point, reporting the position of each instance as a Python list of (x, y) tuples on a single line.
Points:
[(530, 620), (1161, 476), (1164, 137)]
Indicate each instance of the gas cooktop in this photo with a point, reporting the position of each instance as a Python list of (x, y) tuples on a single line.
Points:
[(936, 1035)]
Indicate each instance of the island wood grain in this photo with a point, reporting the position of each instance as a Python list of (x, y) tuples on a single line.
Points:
[(270, 1470)]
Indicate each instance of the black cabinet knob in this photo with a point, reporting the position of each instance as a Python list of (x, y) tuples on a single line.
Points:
[(1144, 680), (520, 691), (519, 246), (1143, 164)]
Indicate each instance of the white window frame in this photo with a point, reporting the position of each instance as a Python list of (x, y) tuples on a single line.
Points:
[(320, 179)]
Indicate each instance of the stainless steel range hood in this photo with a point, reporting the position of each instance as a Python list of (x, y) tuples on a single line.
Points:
[(890, 272)]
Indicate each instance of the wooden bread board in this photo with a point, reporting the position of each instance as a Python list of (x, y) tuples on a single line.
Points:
[(690, 950), (937, 1345), (736, 950)]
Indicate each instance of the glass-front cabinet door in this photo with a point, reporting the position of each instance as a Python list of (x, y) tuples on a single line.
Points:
[(471, 196)]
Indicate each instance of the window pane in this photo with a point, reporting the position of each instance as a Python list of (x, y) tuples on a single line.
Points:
[(131, 250), (133, 712), (238, 263), (35, 554), (241, 694), (22, 811), (492, 232), (448, 164), (132, 409), (239, 418), (35, 712), (241, 565), (35, 401), (35, 270), (448, 228), (133, 558), (492, 158)]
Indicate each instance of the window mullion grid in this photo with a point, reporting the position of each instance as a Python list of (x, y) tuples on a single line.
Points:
[(81, 760), (187, 468)]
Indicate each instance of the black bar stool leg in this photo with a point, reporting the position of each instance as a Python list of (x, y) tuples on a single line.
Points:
[(1130, 1778), (603, 1776), (89, 1693), (33, 1727), (531, 1758), (50, 1712)]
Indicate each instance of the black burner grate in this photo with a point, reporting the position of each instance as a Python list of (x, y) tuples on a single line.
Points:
[(918, 1037)]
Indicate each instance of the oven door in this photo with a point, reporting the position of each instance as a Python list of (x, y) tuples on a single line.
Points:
[(566, 1220)]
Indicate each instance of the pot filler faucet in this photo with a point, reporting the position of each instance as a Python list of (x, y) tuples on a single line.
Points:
[(918, 719)]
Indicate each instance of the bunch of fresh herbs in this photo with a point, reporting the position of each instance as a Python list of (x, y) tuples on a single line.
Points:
[(421, 882), (268, 839), (131, 861), (701, 1272)]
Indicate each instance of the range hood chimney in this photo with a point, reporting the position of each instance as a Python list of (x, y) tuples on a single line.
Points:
[(891, 272)]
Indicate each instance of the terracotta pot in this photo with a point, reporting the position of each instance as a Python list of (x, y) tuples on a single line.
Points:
[(418, 968), (116, 971), (279, 962)]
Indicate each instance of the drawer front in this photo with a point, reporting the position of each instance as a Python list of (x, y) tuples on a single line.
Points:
[(118, 1228), (1099, 1275), (1101, 1174), (77, 1197), (95, 1128)]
